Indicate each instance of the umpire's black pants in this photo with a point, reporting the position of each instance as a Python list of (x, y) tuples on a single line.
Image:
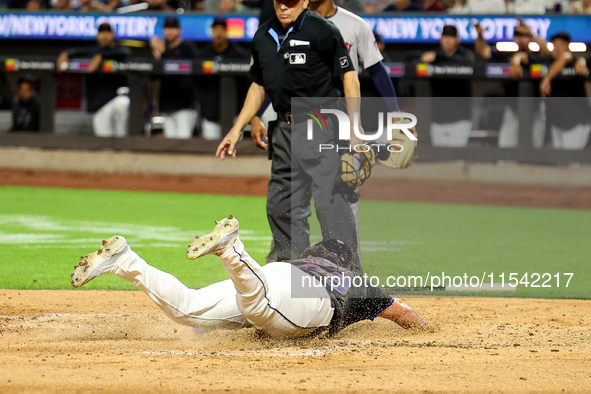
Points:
[(300, 172)]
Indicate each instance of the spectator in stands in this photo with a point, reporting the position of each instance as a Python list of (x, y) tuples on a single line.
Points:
[(404, 5), (220, 49), (176, 92), (559, 6), (91, 6), (34, 5), (223, 6), (433, 6), (26, 108), (526, 7), (267, 10), (229, 6), (456, 6), (61, 5), (582, 7), (158, 5), (374, 6), (105, 93), (451, 118), (567, 107), (355, 6), (485, 7), (523, 36)]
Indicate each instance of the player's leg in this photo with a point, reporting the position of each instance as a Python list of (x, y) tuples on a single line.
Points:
[(509, 129), (334, 211), (185, 119), (263, 294), (120, 114), (576, 137), (211, 307), (101, 121), (402, 314), (539, 125), (170, 127), (557, 137), (288, 200)]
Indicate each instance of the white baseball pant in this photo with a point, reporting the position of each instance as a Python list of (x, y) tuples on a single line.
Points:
[(180, 124), (575, 138), (454, 134), (111, 119), (253, 296), (509, 130)]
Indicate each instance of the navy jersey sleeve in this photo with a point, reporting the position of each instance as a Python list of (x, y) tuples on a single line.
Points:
[(332, 47)]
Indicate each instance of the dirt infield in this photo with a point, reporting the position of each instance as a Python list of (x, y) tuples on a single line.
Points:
[(415, 190), (80, 340), (75, 340)]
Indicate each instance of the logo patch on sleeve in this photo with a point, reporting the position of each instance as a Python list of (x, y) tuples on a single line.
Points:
[(297, 58), (344, 62)]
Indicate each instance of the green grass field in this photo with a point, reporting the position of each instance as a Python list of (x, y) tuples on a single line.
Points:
[(44, 231)]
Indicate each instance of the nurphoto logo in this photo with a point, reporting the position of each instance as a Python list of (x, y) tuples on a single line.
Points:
[(389, 122)]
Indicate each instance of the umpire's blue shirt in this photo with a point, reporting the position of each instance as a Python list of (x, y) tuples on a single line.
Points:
[(306, 60)]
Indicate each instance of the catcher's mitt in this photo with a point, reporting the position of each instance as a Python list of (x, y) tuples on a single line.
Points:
[(402, 149), (356, 167)]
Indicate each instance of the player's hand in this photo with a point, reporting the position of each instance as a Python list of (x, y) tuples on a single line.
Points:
[(478, 28), (523, 28), (158, 46), (516, 71), (94, 64), (355, 141), (227, 145), (62, 62), (428, 57), (545, 88), (257, 130), (581, 67)]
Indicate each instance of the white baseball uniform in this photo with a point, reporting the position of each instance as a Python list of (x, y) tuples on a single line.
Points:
[(253, 296), (359, 39)]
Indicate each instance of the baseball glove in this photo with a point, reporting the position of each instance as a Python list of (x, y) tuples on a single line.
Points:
[(402, 149), (356, 167)]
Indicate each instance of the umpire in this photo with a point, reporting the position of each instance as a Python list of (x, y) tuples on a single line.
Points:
[(299, 54)]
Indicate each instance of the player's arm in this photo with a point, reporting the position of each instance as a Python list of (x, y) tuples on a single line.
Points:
[(480, 46), (384, 85), (158, 47), (555, 69), (403, 315), (257, 129), (428, 57), (254, 99), (516, 69), (62, 61), (581, 67), (95, 62), (353, 97), (523, 27)]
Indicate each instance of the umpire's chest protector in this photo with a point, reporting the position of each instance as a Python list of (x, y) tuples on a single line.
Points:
[(304, 61)]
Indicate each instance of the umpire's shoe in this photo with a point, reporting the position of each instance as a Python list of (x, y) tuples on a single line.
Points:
[(99, 262), (222, 237)]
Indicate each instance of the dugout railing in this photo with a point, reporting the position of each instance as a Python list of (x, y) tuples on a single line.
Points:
[(138, 71)]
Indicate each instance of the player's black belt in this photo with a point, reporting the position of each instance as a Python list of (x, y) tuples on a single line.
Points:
[(292, 118)]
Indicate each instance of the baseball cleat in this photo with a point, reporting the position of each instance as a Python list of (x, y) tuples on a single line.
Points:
[(216, 242), (99, 262)]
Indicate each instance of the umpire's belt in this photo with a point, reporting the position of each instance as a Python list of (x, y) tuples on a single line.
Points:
[(292, 118)]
